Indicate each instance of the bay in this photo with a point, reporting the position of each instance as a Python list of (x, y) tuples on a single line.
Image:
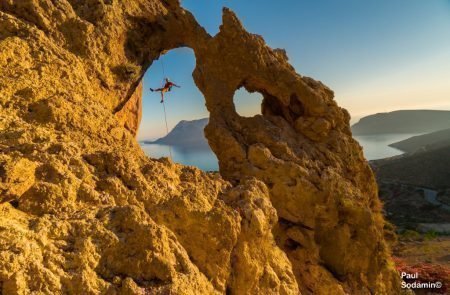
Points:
[(375, 147), (201, 157)]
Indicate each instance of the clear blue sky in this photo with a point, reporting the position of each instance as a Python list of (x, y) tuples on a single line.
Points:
[(377, 55)]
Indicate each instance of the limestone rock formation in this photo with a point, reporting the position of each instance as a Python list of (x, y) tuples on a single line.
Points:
[(131, 114), (84, 211)]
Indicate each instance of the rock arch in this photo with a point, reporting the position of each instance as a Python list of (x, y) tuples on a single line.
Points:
[(296, 207)]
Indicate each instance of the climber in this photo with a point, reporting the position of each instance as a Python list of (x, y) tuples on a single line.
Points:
[(166, 88)]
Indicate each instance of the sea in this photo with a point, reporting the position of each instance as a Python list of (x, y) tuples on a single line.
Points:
[(375, 147)]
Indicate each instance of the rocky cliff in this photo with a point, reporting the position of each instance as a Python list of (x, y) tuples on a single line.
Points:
[(84, 211)]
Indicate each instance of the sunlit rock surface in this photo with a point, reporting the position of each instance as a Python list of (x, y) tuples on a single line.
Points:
[(84, 211)]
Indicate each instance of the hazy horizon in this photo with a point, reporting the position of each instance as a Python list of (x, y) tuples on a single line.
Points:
[(377, 56)]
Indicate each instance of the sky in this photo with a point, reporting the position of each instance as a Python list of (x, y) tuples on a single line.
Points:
[(377, 55)]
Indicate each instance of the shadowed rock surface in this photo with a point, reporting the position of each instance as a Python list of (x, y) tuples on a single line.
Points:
[(84, 211)]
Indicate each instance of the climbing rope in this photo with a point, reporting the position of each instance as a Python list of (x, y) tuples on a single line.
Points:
[(164, 107), (167, 129)]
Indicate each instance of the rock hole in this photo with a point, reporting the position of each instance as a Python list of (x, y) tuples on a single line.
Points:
[(14, 203), (292, 245), (247, 104), (184, 109)]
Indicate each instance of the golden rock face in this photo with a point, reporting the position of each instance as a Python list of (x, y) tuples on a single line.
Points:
[(84, 211)]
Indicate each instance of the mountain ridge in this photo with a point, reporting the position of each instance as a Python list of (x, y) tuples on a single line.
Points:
[(185, 133), (428, 141), (403, 121)]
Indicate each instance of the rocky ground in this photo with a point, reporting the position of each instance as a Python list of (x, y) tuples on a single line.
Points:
[(407, 207), (419, 244), (419, 249), (426, 255)]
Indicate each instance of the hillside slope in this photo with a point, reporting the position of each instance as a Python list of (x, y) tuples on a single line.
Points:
[(429, 141), (428, 169), (405, 121)]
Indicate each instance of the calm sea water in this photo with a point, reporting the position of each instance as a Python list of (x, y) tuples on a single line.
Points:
[(375, 147), (203, 158)]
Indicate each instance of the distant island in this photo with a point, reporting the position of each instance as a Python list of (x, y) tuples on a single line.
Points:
[(404, 121), (186, 134)]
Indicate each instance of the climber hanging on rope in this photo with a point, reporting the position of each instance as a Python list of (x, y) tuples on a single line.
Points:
[(166, 88)]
